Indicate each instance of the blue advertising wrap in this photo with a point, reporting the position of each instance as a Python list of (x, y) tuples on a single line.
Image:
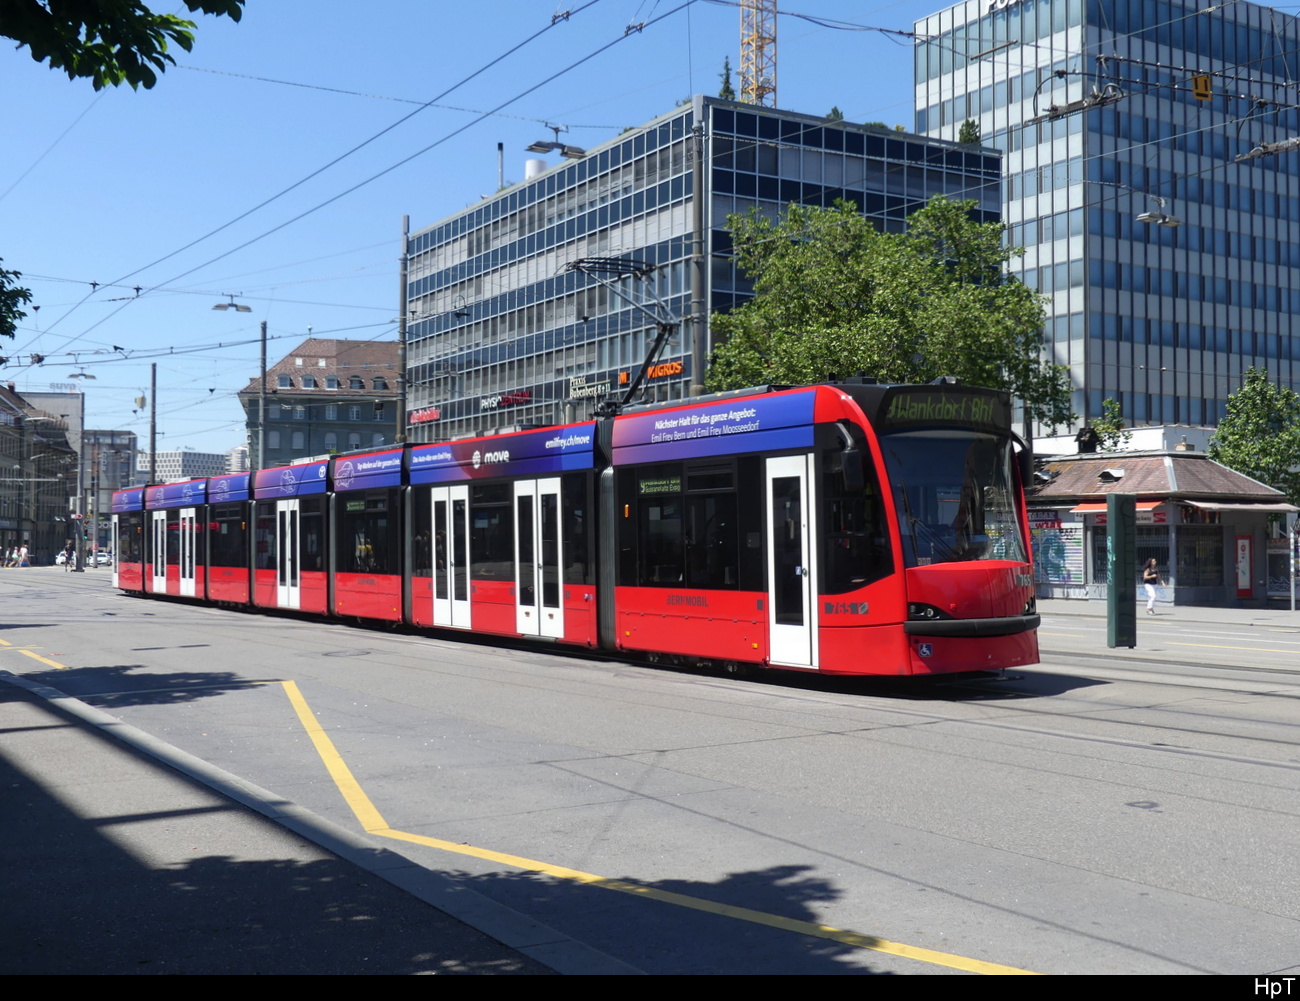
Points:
[(129, 500), (368, 472), (747, 424), (531, 453), (291, 481), (185, 494), (226, 489)]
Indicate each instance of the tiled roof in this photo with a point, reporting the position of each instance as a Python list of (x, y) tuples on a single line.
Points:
[(322, 357), (1147, 474)]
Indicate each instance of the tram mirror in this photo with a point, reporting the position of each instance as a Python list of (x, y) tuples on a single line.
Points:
[(1026, 458), (854, 481)]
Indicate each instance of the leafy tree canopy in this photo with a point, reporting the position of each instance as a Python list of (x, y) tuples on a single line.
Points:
[(969, 133), (12, 296), (834, 297), (110, 41), (1111, 434), (835, 114), (1260, 434)]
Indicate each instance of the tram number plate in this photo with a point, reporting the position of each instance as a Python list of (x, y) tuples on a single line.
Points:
[(844, 608)]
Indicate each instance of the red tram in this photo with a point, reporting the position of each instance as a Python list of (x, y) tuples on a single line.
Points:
[(846, 529)]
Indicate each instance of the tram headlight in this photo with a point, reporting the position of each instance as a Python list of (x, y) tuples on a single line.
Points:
[(920, 611), (1031, 606)]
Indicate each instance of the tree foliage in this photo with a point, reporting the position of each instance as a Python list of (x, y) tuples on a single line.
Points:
[(970, 133), (834, 297), (1111, 434), (728, 92), (110, 41), (835, 114), (1260, 434), (12, 297)]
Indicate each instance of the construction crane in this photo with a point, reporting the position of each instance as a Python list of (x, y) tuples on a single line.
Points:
[(758, 52)]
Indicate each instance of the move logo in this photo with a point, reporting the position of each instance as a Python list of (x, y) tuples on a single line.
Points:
[(489, 458)]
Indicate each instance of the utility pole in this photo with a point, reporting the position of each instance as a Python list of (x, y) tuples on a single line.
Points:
[(153, 421), (399, 435), (699, 274), (259, 462)]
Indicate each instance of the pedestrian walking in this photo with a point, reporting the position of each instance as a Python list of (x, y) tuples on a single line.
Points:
[(24, 555), (69, 556), (1150, 581)]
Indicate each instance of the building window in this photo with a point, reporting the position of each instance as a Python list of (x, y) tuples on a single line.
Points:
[(354, 413), (332, 412), (273, 412), (331, 441), (308, 382), (331, 382), (285, 382), (380, 382), (354, 439), (356, 382), (273, 439), (376, 440), (299, 441), (300, 413)]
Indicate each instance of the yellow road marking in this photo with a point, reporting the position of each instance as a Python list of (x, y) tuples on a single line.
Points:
[(353, 794), (373, 823), (36, 656), (5, 643), (1214, 646)]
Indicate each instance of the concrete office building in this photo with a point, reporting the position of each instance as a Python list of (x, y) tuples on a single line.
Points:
[(1163, 317), (501, 334)]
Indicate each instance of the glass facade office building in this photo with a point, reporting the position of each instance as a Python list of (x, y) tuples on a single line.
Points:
[(1163, 318), (501, 335)]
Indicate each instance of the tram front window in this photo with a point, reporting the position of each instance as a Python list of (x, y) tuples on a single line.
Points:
[(955, 495)]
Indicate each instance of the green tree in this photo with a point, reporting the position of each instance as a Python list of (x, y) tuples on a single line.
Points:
[(970, 133), (834, 297), (12, 297), (1110, 426), (110, 41), (1260, 434), (835, 114), (728, 92)]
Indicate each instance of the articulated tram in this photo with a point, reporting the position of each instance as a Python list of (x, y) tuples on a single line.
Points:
[(845, 529)]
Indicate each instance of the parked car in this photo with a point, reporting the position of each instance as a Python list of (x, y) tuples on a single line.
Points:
[(60, 558), (103, 557)]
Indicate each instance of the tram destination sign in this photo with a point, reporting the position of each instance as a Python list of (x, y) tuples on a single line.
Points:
[(988, 410)]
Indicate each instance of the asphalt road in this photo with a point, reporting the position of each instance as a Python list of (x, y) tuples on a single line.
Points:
[(1112, 812)]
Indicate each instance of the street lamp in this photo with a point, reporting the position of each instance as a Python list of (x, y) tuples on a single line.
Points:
[(238, 307)]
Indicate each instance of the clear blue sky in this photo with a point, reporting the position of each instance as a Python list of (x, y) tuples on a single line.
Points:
[(99, 187)]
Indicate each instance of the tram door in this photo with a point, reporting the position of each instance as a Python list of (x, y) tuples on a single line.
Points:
[(188, 540), (158, 553), (539, 590), (288, 581), (790, 561), (117, 548), (451, 557)]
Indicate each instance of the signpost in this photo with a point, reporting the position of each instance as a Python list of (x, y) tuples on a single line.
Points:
[(1121, 570)]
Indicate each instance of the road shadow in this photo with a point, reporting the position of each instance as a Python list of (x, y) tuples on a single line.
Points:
[(114, 893), (114, 684), (661, 937)]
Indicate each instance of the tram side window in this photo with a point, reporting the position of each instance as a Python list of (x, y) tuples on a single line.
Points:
[(228, 536), (421, 535), (576, 508), (855, 530), (679, 526), (264, 552), (492, 528), (130, 534), (369, 533), (311, 513)]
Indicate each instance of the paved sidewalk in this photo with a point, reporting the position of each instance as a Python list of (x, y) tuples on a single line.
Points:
[(1276, 614), (123, 855)]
